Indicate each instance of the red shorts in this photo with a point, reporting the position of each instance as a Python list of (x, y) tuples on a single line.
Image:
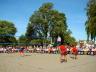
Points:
[(21, 51), (75, 52), (64, 53)]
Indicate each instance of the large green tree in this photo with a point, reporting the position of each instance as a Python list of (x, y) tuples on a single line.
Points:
[(38, 25), (47, 23), (22, 40), (7, 32), (90, 24)]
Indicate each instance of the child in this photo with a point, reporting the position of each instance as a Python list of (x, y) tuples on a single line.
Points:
[(74, 52), (22, 51), (63, 53)]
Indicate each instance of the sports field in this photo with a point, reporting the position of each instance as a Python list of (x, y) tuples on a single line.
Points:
[(45, 63)]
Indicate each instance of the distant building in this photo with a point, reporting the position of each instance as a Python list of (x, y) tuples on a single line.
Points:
[(85, 42)]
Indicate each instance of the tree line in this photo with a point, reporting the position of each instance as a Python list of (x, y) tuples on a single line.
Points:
[(45, 25)]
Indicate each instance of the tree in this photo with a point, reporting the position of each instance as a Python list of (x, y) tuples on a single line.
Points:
[(58, 25), (47, 23), (23, 40), (38, 23), (7, 32), (90, 24)]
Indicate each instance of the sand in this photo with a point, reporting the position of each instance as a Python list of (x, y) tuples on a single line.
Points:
[(45, 63)]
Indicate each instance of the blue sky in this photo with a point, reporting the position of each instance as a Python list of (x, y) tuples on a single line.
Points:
[(19, 11)]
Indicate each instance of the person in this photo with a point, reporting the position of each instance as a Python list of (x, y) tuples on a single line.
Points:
[(21, 51), (63, 53), (74, 51), (50, 50)]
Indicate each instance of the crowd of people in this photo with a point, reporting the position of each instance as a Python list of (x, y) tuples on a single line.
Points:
[(47, 49), (63, 50)]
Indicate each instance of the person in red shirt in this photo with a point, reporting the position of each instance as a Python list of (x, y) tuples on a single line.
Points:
[(74, 52), (21, 51), (63, 53)]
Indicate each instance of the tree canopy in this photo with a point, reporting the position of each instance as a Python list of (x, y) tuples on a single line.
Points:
[(90, 24), (47, 23), (7, 32)]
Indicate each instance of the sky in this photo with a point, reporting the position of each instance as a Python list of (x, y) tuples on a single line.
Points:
[(19, 12)]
